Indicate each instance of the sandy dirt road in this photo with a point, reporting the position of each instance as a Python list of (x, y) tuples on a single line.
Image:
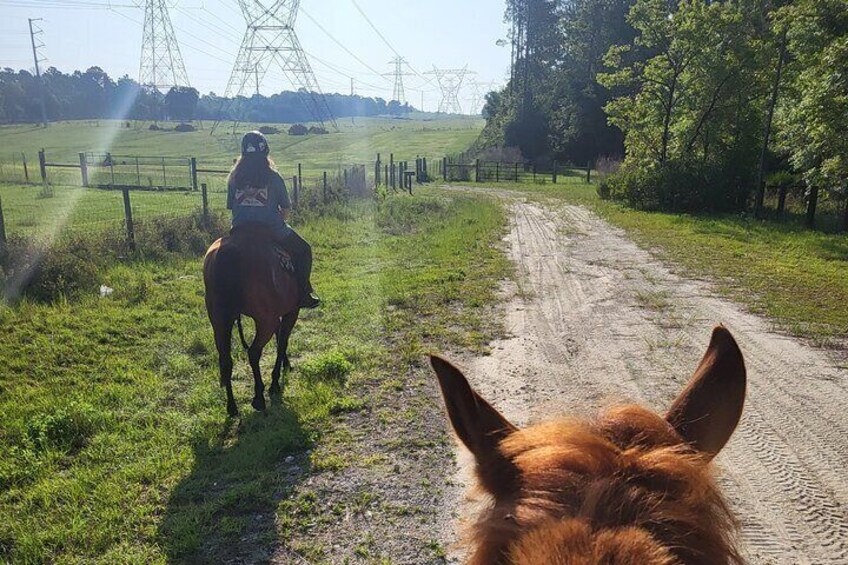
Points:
[(596, 320)]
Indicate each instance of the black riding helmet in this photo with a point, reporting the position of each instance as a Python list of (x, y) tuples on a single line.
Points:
[(254, 143)]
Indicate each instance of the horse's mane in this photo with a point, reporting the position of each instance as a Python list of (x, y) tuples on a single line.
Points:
[(623, 489)]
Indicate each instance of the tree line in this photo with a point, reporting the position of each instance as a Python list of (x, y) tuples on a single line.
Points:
[(93, 94), (705, 101)]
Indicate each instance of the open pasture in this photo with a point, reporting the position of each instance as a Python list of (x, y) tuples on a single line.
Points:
[(357, 142)]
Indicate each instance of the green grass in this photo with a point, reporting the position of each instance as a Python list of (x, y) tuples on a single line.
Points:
[(355, 143), (114, 444), (797, 277)]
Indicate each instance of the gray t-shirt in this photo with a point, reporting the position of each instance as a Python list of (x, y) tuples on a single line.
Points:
[(260, 203)]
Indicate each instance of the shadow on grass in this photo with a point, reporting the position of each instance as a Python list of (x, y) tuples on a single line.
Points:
[(224, 511)]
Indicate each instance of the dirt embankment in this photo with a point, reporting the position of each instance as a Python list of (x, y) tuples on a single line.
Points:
[(596, 320)]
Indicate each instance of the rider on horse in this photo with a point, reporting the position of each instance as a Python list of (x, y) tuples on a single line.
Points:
[(256, 193)]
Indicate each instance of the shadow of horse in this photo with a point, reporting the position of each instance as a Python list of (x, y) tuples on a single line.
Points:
[(224, 510)]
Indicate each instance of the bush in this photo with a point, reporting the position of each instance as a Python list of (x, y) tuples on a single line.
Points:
[(298, 129), (680, 186), (185, 128), (66, 428), (269, 130), (46, 274), (327, 366), (318, 130)]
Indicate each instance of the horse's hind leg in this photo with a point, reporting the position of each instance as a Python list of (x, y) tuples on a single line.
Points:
[(282, 362), (264, 331), (223, 336)]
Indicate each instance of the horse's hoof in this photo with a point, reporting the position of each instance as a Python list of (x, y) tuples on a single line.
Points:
[(258, 403)]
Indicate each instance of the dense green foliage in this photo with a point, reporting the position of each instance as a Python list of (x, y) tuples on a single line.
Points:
[(710, 97), (94, 94)]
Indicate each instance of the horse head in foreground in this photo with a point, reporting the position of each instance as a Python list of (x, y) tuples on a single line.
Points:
[(244, 275), (630, 488)]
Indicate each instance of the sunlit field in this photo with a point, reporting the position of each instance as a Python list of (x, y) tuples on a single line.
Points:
[(357, 142)]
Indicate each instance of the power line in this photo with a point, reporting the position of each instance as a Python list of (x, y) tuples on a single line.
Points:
[(32, 34), (340, 44)]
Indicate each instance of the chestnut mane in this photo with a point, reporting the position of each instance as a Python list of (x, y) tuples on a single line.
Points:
[(630, 487)]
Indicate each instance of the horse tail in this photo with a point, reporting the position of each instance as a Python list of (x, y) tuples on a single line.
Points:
[(226, 282), (241, 333)]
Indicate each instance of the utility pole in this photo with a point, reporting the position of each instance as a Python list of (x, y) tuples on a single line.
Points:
[(32, 34), (352, 89)]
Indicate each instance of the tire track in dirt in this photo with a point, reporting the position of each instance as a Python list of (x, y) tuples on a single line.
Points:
[(596, 320)]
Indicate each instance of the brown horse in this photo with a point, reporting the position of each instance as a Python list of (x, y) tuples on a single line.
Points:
[(243, 275), (630, 488)]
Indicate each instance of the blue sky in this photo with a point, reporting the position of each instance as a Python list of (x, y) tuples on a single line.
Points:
[(448, 34)]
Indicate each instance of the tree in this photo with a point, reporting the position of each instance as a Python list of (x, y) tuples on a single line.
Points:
[(181, 103), (814, 117)]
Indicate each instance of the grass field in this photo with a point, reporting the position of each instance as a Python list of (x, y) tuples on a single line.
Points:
[(796, 276), (114, 443), (72, 208), (354, 143)]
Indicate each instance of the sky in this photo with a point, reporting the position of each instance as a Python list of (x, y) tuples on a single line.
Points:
[(449, 34)]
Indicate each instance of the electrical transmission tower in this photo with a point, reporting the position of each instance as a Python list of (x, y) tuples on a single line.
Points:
[(270, 40), (161, 62), (478, 93), (450, 81), (33, 32), (398, 93)]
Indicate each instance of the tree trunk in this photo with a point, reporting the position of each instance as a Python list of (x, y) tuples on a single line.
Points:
[(761, 172), (811, 207), (667, 120)]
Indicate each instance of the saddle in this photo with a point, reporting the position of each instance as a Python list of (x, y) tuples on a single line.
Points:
[(262, 235)]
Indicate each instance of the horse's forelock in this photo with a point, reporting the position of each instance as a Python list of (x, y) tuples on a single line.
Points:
[(627, 475)]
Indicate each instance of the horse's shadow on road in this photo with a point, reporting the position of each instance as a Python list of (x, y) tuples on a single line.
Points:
[(224, 511)]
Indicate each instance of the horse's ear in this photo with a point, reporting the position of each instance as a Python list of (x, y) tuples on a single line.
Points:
[(708, 410), (479, 426)]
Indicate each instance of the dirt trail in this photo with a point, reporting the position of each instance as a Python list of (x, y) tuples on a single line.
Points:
[(597, 320)]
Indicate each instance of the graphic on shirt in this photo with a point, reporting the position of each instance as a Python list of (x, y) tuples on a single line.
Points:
[(255, 196)]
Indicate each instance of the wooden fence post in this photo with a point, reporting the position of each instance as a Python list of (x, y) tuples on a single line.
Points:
[(325, 187), (128, 217), (425, 171), (137, 173), (444, 168), (164, 177), (83, 169), (299, 176), (588, 173), (42, 165), (205, 200), (193, 169), (377, 168), (392, 169), (497, 171), (386, 175), (477, 170), (516, 172), (26, 170), (555, 171)]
